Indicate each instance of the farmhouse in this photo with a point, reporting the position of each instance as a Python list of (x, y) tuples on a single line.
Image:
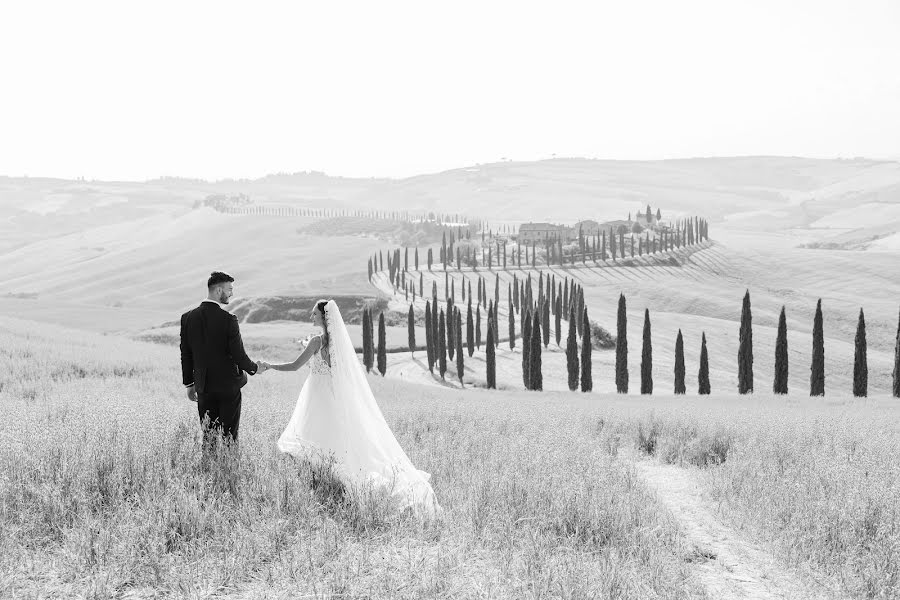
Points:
[(641, 218), (542, 232), (587, 227)]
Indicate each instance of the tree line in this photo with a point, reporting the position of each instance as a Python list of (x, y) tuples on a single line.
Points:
[(456, 252), (450, 336), (245, 207)]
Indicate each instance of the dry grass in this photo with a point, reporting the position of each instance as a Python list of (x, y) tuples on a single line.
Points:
[(102, 493), (819, 484)]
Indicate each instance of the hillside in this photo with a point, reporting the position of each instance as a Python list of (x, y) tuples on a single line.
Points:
[(121, 256), (701, 291)]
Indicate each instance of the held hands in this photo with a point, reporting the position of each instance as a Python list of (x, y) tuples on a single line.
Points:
[(262, 366)]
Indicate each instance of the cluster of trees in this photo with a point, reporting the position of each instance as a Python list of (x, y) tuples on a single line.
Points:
[(373, 354), (224, 202), (617, 243), (529, 323), (458, 250)]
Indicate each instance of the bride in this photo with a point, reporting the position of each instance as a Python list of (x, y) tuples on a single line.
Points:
[(336, 414)]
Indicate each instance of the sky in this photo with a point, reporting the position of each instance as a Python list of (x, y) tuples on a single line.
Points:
[(136, 90)]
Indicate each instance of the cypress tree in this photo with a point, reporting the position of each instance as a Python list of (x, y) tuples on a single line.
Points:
[(516, 293), (367, 340), (622, 348), (460, 365), (745, 348), (587, 375), (411, 324), (534, 356), (545, 321), (553, 292), (526, 349), (780, 385), (647, 357), (451, 331), (470, 329), (579, 308), (496, 323), (382, 346), (491, 359), (371, 340), (860, 364), (478, 327), (896, 382), (429, 337), (512, 329), (817, 369), (417, 259), (572, 352), (557, 315), (679, 365), (442, 344), (703, 375)]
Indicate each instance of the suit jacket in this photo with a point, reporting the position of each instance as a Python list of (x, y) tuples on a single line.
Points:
[(212, 352)]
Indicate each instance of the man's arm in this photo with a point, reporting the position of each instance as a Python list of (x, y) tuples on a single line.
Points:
[(236, 347), (187, 363), (187, 357)]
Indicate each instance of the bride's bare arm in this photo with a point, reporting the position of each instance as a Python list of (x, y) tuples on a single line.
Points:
[(311, 348)]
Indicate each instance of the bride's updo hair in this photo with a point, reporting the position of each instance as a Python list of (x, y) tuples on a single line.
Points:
[(320, 306)]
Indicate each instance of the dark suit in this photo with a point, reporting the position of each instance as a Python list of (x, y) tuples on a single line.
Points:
[(212, 359)]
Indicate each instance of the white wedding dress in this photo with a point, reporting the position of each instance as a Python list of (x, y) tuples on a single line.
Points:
[(336, 414)]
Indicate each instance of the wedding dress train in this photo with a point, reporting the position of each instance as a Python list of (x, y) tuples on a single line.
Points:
[(336, 414)]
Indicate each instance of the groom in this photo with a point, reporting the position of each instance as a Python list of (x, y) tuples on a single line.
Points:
[(213, 361)]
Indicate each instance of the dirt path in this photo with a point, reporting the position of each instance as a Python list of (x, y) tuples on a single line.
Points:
[(727, 564)]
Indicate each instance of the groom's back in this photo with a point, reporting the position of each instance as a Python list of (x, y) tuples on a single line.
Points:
[(208, 332)]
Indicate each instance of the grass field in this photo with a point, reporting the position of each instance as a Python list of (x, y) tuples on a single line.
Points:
[(101, 495)]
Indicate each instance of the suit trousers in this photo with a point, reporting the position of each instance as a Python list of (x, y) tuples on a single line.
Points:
[(224, 411)]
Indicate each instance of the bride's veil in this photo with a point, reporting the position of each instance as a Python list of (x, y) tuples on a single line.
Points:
[(363, 419), (348, 378)]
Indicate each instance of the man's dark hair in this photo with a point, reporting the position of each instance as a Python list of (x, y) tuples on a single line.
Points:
[(217, 277)]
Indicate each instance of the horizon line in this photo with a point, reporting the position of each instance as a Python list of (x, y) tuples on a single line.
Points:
[(428, 173)]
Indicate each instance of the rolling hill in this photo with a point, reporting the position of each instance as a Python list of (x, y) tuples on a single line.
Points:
[(125, 256)]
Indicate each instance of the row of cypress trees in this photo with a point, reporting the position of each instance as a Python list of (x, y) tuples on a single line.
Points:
[(403, 216), (817, 366), (444, 338), (686, 233)]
